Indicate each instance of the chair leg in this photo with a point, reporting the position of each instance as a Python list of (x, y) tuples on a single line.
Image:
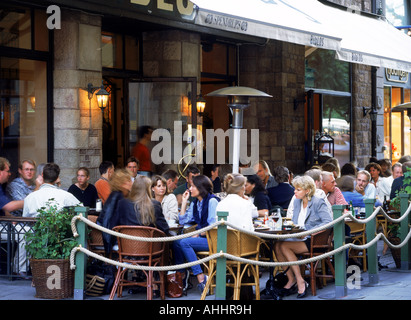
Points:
[(150, 285), (115, 286), (211, 274), (313, 279)]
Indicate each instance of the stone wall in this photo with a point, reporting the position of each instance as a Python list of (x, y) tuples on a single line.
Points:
[(77, 62), (277, 69)]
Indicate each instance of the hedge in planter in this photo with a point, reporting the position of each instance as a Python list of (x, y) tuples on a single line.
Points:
[(49, 247)]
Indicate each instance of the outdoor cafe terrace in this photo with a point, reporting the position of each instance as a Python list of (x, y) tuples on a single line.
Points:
[(381, 279)]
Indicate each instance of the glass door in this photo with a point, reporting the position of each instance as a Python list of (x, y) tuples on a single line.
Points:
[(166, 105)]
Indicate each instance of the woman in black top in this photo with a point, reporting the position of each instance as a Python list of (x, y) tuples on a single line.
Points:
[(84, 191), (255, 189), (139, 209)]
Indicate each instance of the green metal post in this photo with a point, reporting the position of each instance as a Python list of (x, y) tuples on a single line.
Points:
[(340, 258), (221, 262), (81, 259), (405, 253), (372, 258)]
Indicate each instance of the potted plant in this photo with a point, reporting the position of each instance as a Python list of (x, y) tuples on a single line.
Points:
[(49, 247)]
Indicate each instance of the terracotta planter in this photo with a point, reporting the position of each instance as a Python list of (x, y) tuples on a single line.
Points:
[(52, 279)]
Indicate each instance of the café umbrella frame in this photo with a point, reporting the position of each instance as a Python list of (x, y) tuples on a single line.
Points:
[(238, 100)]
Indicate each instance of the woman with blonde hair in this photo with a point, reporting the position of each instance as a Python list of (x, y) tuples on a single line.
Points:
[(240, 209), (139, 209), (168, 200), (309, 212), (120, 185)]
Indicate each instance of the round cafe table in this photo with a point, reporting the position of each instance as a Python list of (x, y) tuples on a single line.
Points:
[(270, 288)]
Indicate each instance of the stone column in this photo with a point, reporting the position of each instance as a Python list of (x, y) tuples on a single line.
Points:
[(77, 62), (277, 69)]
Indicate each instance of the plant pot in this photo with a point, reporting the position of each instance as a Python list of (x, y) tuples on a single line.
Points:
[(52, 279), (396, 253)]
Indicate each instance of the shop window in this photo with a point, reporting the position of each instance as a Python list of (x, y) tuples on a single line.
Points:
[(323, 71), (15, 27), (397, 126), (120, 51), (23, 110)]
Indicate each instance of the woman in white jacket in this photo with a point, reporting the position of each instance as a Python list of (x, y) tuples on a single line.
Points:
[(168, 200), (240, 209)]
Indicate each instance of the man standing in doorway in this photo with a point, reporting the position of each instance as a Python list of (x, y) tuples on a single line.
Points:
[(142, 152), (22, 186)]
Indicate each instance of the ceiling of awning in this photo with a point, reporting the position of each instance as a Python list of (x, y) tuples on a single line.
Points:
[(356, 38)]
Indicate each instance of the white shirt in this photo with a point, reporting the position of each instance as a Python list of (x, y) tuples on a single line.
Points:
[(39, 198), (383, 188), (240, 211), (170, 209)]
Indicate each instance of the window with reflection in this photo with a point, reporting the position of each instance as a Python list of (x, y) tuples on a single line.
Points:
[(23, 109), (324, 71), (336, 123)]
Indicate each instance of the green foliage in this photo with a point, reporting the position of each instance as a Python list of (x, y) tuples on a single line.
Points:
[(394, 228), (52, 237)]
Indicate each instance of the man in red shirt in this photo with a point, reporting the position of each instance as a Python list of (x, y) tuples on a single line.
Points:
[(142, 152)]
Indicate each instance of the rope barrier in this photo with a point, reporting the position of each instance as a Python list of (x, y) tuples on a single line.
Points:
[(232, 257)]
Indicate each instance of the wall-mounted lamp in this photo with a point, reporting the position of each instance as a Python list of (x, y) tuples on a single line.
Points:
[(371, 111), (101, 95), (200, 105)]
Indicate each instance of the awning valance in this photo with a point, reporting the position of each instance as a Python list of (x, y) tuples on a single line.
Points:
[(289, 21), (371, 41), (356, 38)]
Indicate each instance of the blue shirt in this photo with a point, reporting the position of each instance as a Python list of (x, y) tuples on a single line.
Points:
[(3, 200), (188, 218), (356, 198)]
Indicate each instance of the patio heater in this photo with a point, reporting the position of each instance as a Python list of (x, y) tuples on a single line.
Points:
[(238, 101)]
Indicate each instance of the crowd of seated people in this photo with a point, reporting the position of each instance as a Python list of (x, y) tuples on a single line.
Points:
[(162, 202)]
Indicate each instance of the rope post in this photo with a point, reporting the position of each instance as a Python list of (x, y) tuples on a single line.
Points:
[(404, 228), (81, 259), (372, 257), (340, 257), (221, 262)]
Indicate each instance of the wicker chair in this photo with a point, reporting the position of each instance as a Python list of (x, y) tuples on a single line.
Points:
[(139, 253), (321, 242), (241, 245), (358, 237), (95, 241)]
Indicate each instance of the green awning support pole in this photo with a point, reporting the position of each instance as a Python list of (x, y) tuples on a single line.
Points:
[(372, 257), (404, 228), (221, 262), (340, 257), (81, 258)]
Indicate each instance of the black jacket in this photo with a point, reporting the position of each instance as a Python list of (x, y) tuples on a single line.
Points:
[(131, 217), (109, 217)]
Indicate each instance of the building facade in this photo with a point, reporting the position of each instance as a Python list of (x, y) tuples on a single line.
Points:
[(154, 61)]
